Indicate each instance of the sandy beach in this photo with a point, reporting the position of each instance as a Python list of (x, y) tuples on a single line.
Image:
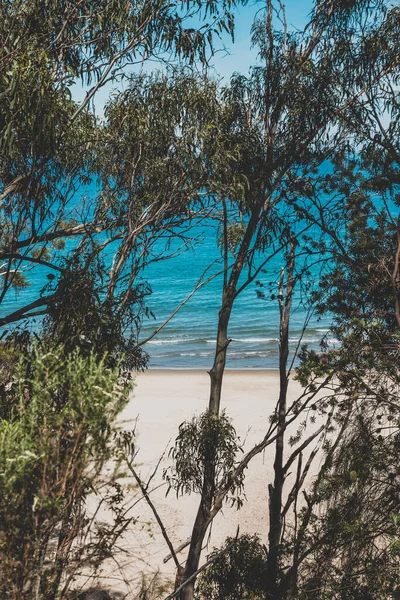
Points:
[(160, 402)]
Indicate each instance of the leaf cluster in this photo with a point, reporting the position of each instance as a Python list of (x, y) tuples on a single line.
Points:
[(239, 573), (207, 443), (54, 445)]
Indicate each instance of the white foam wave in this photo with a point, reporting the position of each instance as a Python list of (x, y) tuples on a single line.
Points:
[(255, 340), (250, 340), (170, 341), (252, 353), (314, 340)]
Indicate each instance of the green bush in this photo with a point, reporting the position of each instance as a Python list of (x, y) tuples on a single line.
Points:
[(239, 573), (207, 442), (54, 445)]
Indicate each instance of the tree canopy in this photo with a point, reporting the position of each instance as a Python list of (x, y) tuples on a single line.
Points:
[(298, 159)]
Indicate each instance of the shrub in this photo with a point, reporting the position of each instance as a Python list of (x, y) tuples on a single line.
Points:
[(54, 445), (239, 573)]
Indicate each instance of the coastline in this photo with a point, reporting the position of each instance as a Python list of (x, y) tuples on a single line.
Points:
[(195, 371)]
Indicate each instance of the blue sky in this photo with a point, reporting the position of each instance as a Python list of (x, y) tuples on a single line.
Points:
[(241, 56), (237, 55)]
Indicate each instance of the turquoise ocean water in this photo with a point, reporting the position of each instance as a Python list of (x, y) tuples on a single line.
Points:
[(188, 340)]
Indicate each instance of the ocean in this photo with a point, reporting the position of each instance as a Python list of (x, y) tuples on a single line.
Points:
[(188, 340)]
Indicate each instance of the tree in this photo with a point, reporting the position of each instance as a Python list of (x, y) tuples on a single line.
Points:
[(152, 133), (278, 126), (357, 537), (52, 151), (51, 144)]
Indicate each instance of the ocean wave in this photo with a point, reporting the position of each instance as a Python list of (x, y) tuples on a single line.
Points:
[(255, 340), (249, 340), (317, 340), (167, 341), (250, 353), (187, 340)]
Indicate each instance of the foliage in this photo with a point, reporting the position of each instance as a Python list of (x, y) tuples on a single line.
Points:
[(54, 446), (357, 532), (53, 149), (9, 358), (153, 588), (78, 317), (357, 495), (206, 442), (238, 573)]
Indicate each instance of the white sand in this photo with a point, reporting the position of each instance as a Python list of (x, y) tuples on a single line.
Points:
[(161, 401)]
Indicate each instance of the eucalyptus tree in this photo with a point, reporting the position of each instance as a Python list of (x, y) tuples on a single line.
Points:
[(50, 144), (354, 540), (55, 216), (270, 129), (152, 134), (357, 540), (354, 537), (276, 127)]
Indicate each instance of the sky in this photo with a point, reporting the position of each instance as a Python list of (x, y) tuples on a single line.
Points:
[(237, 56), (241, 56)]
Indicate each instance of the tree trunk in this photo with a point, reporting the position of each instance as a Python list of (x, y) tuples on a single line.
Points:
[(228, 298), (275, 507), (218, 368), (216, 375), (276, 501), (199, 531)]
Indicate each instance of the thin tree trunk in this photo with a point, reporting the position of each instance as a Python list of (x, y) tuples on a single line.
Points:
[(218, 368), (217, 371), (216, 376), (198, 533), (275, 508), (228, 298)]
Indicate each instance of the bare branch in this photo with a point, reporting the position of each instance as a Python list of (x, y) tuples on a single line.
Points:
[(303, 446), (23, 312), (155, 513), (38, 261), (198, 286)]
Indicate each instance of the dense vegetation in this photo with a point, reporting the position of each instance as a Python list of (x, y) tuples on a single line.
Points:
[(175, 148)]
